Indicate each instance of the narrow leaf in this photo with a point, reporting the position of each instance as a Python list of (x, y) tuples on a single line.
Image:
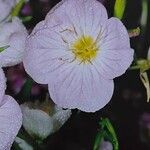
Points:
[(113, 134), (119, 8), (98, 140), (17, 8), (3, 48), (106, 132)]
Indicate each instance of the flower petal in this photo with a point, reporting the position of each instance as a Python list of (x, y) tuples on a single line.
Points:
[(49, 44), (115, 55), (36, 122), (82, 88), (13, 34), (59, 117), (45, 54), (5, 9), (11, 120), (79, 16)]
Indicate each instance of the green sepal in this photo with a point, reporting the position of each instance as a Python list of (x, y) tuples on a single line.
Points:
[(134, 32)]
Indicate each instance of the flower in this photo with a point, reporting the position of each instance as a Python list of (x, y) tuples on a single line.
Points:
[(42, 119), (78, 52), (13, 35), (10, 117), (106, 146), (5, 8)]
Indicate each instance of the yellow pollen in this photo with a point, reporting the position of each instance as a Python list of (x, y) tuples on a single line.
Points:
[(85, 49)]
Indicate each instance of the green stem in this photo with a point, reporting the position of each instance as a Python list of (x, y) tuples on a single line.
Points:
[(17, 8)]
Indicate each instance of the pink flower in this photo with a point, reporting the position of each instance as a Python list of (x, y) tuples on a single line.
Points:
[(78, 52), (10, 116), (12, 34), (5, 8)]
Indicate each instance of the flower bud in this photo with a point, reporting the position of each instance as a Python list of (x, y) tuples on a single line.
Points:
[(42, 119)]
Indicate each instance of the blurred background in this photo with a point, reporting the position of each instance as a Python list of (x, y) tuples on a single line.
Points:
[(128, 110)]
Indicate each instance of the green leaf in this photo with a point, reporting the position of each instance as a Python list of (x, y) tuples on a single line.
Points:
[(106, 132), (98, 140), (141, 64), (26, 19), (113, 135), (119, 8), (3, 48), (144, 64)]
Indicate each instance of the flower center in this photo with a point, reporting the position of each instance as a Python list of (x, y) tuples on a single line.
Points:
[(85, 49)]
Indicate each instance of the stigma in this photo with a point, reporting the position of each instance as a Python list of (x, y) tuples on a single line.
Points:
[(85, 49)]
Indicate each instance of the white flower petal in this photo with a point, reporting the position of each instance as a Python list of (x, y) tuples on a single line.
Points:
[(59, 117), (36, 122), (5, 9), (115, 55), (13, 34), (38, 27), (11, 120), (82, 88), (79, 16), (48, 55)]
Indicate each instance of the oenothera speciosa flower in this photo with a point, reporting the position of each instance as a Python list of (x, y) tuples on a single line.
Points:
[(10, 116), (12, 36), (41, 121), (78, 52)]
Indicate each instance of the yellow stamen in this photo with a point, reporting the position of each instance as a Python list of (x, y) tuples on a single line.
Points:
[(85, 49)]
